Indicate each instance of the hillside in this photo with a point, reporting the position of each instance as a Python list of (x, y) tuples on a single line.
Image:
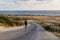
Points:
[(6, 21)]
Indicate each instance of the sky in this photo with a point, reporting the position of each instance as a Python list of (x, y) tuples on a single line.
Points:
[(29, 4)]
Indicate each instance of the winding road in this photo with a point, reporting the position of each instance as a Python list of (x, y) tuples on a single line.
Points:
[(37, 33)]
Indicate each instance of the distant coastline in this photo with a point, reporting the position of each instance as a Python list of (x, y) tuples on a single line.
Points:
[(34, 12)]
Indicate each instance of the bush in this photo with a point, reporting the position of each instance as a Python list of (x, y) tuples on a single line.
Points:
[(2, 21), (47, 27), (18, 23), (6, 20)]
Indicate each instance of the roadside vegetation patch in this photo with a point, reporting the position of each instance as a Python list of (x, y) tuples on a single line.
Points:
[(10, 22), (51, 26)]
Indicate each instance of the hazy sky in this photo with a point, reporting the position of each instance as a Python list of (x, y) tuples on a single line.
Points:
[(29, 4)]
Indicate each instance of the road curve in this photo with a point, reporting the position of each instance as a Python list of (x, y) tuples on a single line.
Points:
[(37, 34)]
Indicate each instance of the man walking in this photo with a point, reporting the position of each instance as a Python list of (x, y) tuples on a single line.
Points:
[(26, 25)]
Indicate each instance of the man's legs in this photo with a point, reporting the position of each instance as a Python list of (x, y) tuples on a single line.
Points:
[(25, 28)]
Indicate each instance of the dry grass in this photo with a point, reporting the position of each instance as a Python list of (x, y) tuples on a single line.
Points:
[(57, 34)]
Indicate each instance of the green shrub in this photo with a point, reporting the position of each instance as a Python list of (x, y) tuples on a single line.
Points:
[(18, 23), (6, 20), (46, 27)]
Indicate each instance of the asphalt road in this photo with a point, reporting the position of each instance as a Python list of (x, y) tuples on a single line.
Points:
[(38, 33)]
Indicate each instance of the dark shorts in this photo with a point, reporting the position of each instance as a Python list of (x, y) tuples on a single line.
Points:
[(25, 24)]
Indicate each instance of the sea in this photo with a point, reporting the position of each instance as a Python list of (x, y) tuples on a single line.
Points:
[(32, 12)]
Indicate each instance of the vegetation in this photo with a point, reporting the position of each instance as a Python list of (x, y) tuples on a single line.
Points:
[(52, 27), (10, 21)]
